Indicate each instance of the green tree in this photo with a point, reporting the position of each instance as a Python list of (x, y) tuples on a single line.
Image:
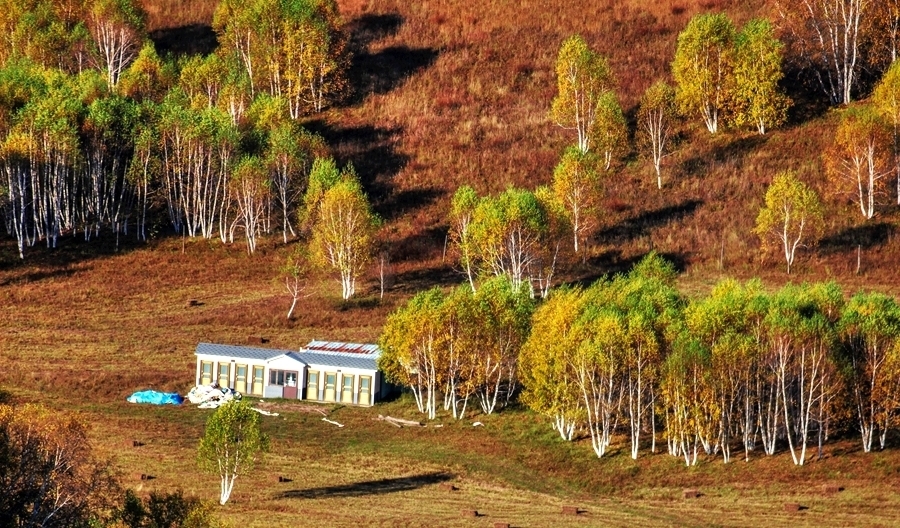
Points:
[(870, 326), (166, 510), (576, 186), (508, 232), (582, 77), (414, 348), (502, 320), (792, 212), (462, 211), (323, 175), (231, 444), (610, 134), (656, 122), (344, 232), (758, 101), (252, 191), (546, 366), (703, 66)]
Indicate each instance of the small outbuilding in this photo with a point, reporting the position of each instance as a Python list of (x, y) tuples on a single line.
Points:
[(323, 371)]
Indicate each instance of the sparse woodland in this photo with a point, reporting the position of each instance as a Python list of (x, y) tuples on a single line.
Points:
[(647, 229)]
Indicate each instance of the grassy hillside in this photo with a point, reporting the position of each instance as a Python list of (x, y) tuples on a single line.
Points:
[(446, 93)]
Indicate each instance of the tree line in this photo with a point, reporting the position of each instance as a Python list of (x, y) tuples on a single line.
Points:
[(739, 370), (97, 131)]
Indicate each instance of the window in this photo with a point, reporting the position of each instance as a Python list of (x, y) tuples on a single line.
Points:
[(285, 378)]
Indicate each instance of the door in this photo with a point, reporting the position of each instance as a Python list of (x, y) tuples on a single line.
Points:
[(330, 382), (257, 387), (312, 385), (224, 379), (290, 385), (365, 390), (240, 378), (206, 374), (347, 391)]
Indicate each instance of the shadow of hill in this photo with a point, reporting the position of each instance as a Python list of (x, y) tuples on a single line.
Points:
[(867, 236), (193, 39), (371, 487), (640, 225)]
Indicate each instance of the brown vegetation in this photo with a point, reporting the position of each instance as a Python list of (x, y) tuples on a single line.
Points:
[(447, 93)]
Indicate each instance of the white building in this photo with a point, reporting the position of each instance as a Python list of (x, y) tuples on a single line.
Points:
[(322, 371)]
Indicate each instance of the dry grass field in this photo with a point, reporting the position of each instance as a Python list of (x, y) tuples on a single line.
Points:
[(446, 93)]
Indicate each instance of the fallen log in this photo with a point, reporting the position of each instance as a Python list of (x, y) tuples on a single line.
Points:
[(399, 422)]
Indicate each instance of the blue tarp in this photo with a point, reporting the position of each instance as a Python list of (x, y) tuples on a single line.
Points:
[(156, 398)]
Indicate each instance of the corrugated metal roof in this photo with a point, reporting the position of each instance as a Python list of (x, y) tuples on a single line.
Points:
[(331, 347), (261, 354), (354, 361)]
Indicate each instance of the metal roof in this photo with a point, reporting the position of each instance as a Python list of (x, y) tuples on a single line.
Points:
[(342, 355), (261, 354), (332, 347)]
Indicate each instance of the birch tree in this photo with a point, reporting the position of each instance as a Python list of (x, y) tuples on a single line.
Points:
[(503, 317), (828, 36), (886, 101), (791, 215), (251, 189), (413, 344), (117, 28), (344, 231), (656, 123), (231, 444), (546, 363), (870, 326), (757, 98), (576, 185), (610, 135), (859, 159), (702, 67), (49, 472), (462, 213), (508, 230), (582, 77)]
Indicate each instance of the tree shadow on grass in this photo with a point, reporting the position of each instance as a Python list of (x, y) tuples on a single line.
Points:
[(371, 487), (384, 70), (612, 262), (866, 236), (193, 39), (640, 225), (421, 279), (372, 151)]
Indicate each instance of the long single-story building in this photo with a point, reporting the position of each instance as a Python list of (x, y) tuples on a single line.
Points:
[(321, 371)]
